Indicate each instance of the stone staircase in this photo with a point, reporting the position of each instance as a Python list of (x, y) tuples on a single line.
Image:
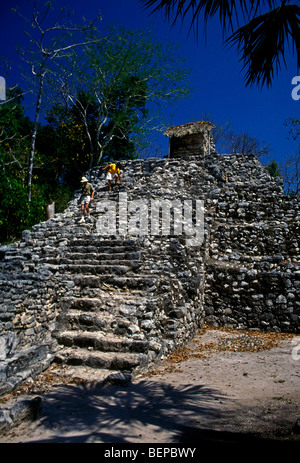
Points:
[(120, 298), (98, 328)]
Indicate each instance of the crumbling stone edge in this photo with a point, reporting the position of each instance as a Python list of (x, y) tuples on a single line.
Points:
[(21, 411)]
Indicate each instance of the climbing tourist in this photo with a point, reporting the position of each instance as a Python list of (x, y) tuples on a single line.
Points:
[(87, 195), (113, 173)]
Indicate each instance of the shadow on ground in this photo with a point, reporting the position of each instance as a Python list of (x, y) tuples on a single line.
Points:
[(114, 413), (142, 412)]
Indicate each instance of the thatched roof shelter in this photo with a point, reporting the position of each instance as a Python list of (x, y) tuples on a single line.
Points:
[(190, 139), (188, 129)]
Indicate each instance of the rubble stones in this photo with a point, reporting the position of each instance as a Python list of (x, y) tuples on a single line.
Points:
[(19, 412)]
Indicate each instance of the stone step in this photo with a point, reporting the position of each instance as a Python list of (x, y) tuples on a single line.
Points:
[(89, 269), (113, 255), (101, 249), (98, 341), (60, 230), (106, 322), (114, 267), (97, 241), (89, 304), (91, 375), (109, 300), (125, 301), (131, 282), (102, 360), (55, 262), (103, 257)]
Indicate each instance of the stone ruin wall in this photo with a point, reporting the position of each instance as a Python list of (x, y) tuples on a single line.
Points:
[(253, 269), (193, 143), (246, 274)]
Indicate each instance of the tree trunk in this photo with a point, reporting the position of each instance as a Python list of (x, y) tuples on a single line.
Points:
[(33, 138)]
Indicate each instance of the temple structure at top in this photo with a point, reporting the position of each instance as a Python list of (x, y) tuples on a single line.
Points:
[(190, 139)]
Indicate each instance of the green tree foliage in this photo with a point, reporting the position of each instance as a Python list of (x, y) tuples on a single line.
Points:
[(101, 105), (16, 213), (273, 169), (115, 87)]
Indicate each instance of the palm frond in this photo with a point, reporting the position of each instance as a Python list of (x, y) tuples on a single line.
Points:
[(228, 10), (263, 43)]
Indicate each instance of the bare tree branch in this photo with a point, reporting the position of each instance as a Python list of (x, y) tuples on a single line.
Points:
[(46, 51)]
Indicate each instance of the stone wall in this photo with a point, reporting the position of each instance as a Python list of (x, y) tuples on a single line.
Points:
[(244, 274), (30, 295), (253, 268), (192, 144)]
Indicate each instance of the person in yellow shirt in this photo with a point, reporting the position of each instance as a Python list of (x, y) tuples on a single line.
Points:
[(113, 172)]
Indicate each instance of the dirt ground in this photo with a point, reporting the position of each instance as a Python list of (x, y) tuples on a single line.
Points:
[(223, 386)]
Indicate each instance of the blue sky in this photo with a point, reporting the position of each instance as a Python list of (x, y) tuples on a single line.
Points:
[(216, 79)]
